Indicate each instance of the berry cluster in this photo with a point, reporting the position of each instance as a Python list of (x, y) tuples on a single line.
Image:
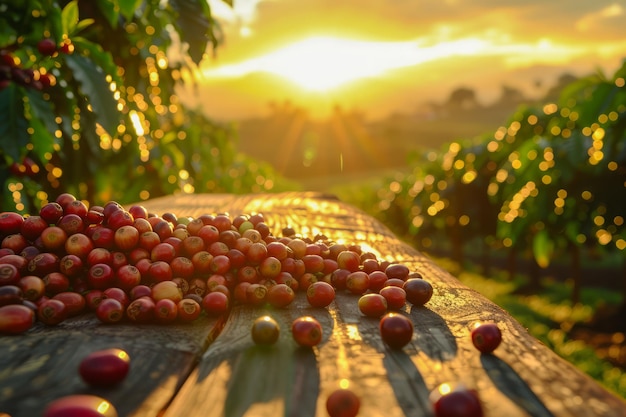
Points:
[(11, 69), (135, 266), (128, 264)]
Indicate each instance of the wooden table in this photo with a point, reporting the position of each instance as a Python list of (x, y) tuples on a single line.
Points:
[(212, 368)]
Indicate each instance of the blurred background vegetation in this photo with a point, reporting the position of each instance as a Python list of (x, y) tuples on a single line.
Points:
[(535, 202)]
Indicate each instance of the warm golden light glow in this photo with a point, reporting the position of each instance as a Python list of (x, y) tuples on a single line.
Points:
[(321, 63)]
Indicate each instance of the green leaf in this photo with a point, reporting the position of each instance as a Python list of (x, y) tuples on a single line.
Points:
[(13, 125), (69, 17), (128, 8), (543, 248), (82, 24), (8, 35), (55, 20), (110, 10), (43, 124), (195, 25), (100, 57), (97, 91)]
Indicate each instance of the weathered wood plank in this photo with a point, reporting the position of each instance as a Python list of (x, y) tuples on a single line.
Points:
[(42, 364), (235, 378), (522, 378)]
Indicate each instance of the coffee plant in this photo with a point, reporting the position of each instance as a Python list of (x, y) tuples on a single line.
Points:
[(552, 181), (91, 104)]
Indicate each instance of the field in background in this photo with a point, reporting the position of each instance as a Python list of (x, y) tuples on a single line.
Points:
[(347, 148)]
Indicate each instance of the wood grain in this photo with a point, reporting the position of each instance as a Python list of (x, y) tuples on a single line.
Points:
[(522, 378), (42, 365)]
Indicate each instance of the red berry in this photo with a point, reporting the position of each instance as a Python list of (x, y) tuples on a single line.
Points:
[(399, 271), (51, 212), (10, 223), (47, 47), (51, 312), (126, 238), (320, 294), (358, 282), (395, 296), (9, 60), (306, 331), (78, 244), (10, 294), (455, 401), (418, 291), (188, 309), (9, 274), (32, 227), (349, 260), (67, 47), (486, 337), (101, 276), (338, 278), (165, 311), (215, 303), (265, 331), (105, 368), (15, 319), (56, 282), (32, 287), (110, 310), (80, 405), (64, 199), (16, 242), (372, 305), (396, 330), (280, 295), (343, 403), (53, 238), (74, 302), (141, 310), (167, 289)]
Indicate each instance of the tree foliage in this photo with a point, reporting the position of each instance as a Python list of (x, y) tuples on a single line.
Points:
[(552, 178), (89, 104)]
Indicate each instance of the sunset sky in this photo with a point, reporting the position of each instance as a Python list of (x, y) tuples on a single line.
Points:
[(381, 56)]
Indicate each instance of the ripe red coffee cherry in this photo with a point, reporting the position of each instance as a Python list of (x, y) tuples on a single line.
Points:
[(396, 330), (395, 296), (399, 271), (51, 312), (165, 311), (110, 310), (418, 291), (372, 305), (188, 310), (358, 282), (80, 405), (11, 223), (15, 319), (215, 303), (47, 47), (265, 331), (455, 400), (343, 403), (280, 295), (306, 331), (105, 368), (320, 294), (486, 337)]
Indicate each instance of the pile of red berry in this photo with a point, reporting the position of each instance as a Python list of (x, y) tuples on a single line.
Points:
[(128, 264), (134, 266)]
